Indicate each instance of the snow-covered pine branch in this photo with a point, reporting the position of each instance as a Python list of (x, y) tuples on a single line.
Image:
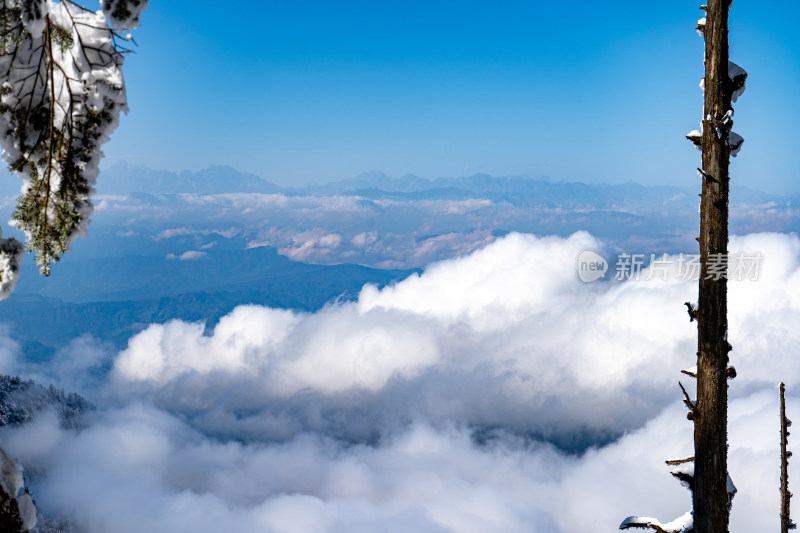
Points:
[(61, 92), (682, 524), (123, 14)]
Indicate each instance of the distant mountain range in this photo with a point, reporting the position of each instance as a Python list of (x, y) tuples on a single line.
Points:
[(143, 182), (124, 178)]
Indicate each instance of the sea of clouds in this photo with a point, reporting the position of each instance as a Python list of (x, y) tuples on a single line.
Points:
[(495, 392)]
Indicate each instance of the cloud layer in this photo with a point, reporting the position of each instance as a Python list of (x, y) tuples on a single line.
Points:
[(506, 337), (140, 469), (411, 230), (423, 406)]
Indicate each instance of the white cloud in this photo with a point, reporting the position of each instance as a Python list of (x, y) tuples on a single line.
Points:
[(413, 408), (364, 239), (183, 232), (473, 339), (138, 468), (10, 351), (312, 245), (191, 255), (243, 341), (505, 337)]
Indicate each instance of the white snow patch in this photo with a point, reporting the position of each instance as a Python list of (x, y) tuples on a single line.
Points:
[(736, 142)]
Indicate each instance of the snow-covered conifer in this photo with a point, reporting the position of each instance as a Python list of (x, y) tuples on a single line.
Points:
[(61, 92)]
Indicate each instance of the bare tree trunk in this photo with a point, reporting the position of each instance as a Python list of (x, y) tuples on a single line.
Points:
[(712, 490), (710, 497), (786, 518)]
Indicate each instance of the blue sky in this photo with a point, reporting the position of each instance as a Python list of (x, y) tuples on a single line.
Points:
[(312, 91)]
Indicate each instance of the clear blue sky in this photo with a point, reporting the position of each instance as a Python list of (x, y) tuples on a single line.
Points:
[(298, 91)]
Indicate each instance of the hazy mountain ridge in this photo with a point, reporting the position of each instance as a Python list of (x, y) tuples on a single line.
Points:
[(145, 186), (532, 191), (124, 178), (115, 298)]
